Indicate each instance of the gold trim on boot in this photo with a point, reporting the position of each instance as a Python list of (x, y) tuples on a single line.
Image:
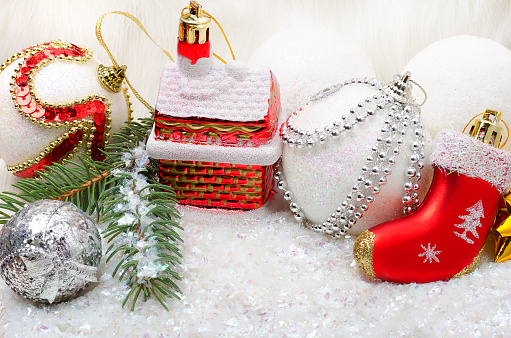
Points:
[(363, 252), (469, 268)]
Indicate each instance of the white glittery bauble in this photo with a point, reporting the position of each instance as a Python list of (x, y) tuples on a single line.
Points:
[(58, 82), (308, 59), (463, 76), (320, 177), (49, 251)]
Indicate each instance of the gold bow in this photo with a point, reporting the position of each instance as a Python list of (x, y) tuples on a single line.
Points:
[(502, 228)]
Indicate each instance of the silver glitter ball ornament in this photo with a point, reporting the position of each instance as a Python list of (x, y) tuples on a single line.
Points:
[(49, 251)]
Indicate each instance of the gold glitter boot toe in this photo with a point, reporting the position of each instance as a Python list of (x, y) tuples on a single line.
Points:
[(363, 252)]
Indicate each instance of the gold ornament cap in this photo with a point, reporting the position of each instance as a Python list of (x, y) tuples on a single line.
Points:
[(111, 77), (194, 26), (487, 129)]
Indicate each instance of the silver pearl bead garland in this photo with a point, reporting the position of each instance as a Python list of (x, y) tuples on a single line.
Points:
[(403, 119)]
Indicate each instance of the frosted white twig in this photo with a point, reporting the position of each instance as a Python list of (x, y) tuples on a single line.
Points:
[(136, 211)]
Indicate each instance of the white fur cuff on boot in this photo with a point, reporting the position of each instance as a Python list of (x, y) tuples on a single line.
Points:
[(473, 158)]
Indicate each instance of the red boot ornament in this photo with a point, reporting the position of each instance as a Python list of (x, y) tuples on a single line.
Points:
[(445, 236)]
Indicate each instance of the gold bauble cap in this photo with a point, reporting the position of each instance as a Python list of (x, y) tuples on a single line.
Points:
[(193, 26), (487, 129)]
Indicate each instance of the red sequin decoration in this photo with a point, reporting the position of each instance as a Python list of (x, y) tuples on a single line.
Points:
[(58, 153), (27, 104)]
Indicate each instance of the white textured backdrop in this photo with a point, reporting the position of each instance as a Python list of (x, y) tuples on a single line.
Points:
[(259, 272)]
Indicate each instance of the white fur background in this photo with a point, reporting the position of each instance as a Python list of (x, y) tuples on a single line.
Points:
[(259, 272)]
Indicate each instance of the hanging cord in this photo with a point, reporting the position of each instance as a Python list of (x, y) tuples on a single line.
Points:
[(102, 42), (99, 36), (507, 138), (225, 37), (221, 29), (421, 88)]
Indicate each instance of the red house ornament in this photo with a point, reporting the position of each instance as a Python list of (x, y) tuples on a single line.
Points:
[(215, 130)]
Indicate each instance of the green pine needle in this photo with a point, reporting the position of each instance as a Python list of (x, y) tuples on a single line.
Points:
[(95, 187)]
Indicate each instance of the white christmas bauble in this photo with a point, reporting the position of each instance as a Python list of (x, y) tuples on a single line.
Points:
[(321, 177), (58, 81), (308, 59), (463, 76)]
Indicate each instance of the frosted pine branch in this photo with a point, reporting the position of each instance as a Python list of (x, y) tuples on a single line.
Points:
[(141, 227)]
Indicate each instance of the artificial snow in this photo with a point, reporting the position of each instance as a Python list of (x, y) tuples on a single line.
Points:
[(223, 93), (259, 273)]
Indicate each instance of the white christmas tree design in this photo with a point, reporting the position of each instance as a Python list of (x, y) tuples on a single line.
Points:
[(471, 222), (430, 253)]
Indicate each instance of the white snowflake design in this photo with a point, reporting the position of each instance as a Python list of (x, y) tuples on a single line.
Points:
[(430, 254), (471, 222)]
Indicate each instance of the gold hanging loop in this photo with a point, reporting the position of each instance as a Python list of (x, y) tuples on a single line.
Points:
[(112, 77)]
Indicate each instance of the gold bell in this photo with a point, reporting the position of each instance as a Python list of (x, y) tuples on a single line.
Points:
[(194, 26), (487, 129), (111, 77)]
